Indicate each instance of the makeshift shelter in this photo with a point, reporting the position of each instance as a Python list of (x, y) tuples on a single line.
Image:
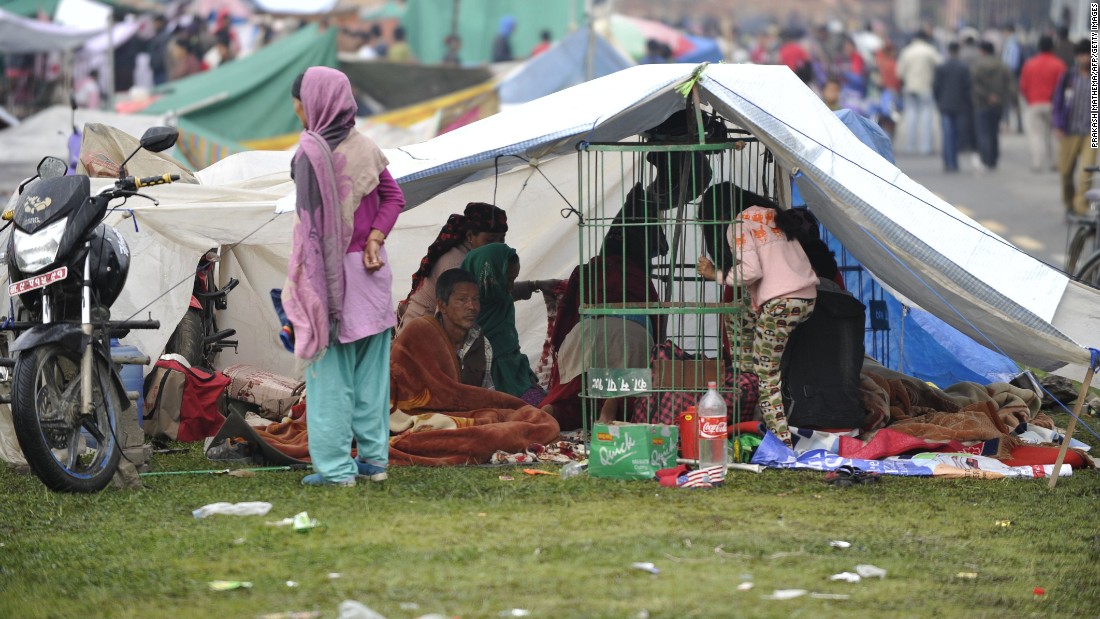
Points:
[(919, 246), (428, 23), (396, 84), (22, 35), (581, 56), (249, 98), (47, 133)]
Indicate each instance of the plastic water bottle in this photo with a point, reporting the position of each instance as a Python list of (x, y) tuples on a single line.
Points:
[(571, 470), (711, 410)]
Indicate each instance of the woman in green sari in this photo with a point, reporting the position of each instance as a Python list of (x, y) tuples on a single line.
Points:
[(496, 267)]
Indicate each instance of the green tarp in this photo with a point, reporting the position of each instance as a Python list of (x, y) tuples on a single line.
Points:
[(249, 99), (30, 8), (428, 23), (396, 85)]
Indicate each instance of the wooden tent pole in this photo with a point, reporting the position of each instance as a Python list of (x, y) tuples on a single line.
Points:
[(1070, 428)]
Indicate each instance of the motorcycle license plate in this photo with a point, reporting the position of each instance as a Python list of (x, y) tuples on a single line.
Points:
[(38, 281)]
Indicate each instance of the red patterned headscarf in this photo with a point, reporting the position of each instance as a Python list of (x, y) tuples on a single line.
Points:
[(478, 217)]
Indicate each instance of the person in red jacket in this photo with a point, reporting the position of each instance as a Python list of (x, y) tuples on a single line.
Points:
[(1038, 79)]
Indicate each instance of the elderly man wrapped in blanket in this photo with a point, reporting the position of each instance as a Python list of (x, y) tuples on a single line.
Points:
[(445, 409)]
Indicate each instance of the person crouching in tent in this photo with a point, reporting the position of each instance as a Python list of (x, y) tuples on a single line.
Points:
[(337, 293)]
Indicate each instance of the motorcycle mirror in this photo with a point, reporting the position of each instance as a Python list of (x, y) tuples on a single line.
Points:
[(158, 139), (52, 167)]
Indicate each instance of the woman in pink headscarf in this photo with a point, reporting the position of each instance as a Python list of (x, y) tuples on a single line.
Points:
[(337, 294)]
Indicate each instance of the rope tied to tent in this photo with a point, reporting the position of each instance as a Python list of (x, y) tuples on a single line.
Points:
[(696, 75)]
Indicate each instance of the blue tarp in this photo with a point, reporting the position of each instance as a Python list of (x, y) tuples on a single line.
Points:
[(919, 344), (703, 49), (563, 65)]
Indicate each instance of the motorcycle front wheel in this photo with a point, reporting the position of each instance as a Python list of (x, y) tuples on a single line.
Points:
[(67, 450)]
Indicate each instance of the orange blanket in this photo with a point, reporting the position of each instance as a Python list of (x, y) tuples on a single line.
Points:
[(424, 378)]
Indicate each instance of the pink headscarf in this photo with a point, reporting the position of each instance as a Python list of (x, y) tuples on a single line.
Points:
[(313, 296)]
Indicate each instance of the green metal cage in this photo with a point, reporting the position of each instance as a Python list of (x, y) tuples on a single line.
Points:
[(650, 326)]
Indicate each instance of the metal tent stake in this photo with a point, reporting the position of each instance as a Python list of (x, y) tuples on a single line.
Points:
[(1072, 425)]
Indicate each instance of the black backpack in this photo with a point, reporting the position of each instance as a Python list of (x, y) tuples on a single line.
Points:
[(821, 365)]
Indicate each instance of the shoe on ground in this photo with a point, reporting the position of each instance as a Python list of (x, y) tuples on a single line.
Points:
[(315, 479), (371, 471)]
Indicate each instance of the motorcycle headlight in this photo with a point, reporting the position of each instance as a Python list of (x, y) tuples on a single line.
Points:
[(34, 252)]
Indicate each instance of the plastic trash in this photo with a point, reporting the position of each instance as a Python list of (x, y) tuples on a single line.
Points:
[(846, 577), (830, 596), (646, 567), (228, 585), (573, 469), (785, 594), (515, 612), (870, 571), (252, 508), (840, 544), (350, 609), (303, 523), (745, 586)]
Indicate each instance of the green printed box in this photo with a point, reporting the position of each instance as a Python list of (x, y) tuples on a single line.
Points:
[(632, 451)]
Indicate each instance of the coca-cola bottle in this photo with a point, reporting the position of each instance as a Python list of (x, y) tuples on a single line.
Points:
[(711, 410)]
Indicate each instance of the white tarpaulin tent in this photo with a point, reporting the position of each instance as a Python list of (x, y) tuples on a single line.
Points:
[(908, 238), (20, 35)]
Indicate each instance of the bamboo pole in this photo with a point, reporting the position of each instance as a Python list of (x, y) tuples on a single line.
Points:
[(1069, 428)]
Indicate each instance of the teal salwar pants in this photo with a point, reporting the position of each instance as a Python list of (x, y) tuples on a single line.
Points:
[(348, 396)]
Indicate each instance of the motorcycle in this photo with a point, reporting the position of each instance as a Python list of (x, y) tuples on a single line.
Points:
[(66, 269), (197, 337)]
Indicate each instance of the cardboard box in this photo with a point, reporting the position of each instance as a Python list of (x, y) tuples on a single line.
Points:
[(632, 451)]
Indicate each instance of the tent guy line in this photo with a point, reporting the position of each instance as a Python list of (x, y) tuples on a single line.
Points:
[(968, 224), (191, 276)]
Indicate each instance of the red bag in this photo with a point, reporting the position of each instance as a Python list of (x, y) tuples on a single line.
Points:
[(183, 403)]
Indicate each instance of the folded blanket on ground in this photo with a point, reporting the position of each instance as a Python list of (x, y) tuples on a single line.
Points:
[(424, 380), (891, 397)]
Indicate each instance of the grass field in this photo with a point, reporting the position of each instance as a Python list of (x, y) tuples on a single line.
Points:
[(464, 543)]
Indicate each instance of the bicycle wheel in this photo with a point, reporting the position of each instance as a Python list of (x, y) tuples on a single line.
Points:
[(1080, 245), (1089, 273)]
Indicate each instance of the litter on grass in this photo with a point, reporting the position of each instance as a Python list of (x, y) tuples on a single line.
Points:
[(785, 594), (507, 478), (293, 614), (538, 472), (745, 586), (248, 508), (646, 567), (870, 571), (303, 523), (291, 584), (830, 596), (351, 609), (334, 575), (228, 585), (516, 612), (1003, 523), (840, 544), (967, 575), (846, 577)]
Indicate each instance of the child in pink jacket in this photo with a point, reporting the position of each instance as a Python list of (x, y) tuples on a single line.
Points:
[(782, 287)]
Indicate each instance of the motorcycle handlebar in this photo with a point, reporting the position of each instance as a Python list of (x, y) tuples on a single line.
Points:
[(131, 183)]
